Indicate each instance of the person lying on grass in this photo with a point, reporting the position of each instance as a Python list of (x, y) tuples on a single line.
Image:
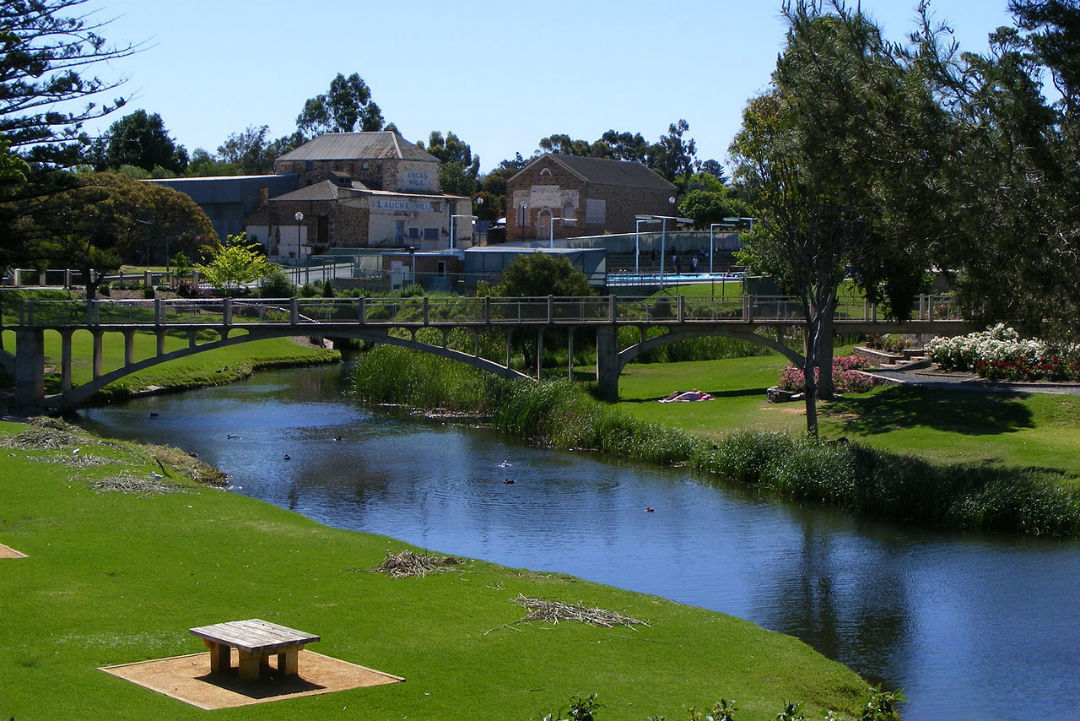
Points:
[(694, 395)]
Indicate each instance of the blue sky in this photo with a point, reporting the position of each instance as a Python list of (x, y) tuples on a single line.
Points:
[(501, 75)]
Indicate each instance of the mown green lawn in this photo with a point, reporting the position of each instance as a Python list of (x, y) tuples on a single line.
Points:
[(113, 578), (1021, 429)]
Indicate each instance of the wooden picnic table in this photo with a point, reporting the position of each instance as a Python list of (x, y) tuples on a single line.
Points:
[(255, 640)]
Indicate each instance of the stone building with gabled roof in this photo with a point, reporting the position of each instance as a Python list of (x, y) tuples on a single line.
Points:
[(567, 195), (379, 160), (359, 190)]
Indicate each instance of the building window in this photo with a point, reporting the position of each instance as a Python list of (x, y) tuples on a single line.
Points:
[(595, 211), (545, 171), (399, 230), (414, 233), (440, 267), (521, 215), (569, 218), (431, 233)]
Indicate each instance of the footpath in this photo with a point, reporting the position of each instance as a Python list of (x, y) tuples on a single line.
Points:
[(931, 378)]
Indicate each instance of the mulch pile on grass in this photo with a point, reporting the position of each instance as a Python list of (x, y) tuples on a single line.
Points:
[(44, 434), (131, 484), (53, 434), (408, 563), (555, 611)]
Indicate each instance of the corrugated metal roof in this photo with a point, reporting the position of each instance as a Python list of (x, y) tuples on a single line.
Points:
[(349, 146), (606, 171)]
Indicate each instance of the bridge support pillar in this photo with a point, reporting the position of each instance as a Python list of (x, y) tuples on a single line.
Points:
[(129, 347), (570, 354), (160, 342), (607, 362), (539, 353), (65, 360), (97, 352), (29, 367)]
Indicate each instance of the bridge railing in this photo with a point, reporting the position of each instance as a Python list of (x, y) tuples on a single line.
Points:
[(455, 311)]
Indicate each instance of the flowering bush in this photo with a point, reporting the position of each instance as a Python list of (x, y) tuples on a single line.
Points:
[(846, 378), (998, 353)]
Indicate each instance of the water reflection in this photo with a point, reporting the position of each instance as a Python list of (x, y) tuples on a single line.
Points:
[(970, 626)]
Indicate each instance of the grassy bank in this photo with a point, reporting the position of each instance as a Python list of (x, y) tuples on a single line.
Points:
[(855, 476), (1020, 430), (114, 577)]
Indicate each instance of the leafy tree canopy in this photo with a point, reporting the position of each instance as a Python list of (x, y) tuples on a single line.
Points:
[(347, 107), (253, 152), (234, 263), (671, 155), (458, 167), (107, 217), (840, 158), (139, 139), (542, 274)]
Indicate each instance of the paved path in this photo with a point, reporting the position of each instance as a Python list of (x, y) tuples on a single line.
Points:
[(968, 382)]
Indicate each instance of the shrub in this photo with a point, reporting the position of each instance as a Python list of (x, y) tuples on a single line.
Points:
[(846, 376), (276, 284), (998, 353), (890, 343)]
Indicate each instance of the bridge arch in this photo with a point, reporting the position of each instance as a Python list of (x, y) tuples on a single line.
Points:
[(80, 394), (631, 352), (611, 361)]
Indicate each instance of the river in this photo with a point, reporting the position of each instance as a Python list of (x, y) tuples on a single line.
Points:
[(971, 626)]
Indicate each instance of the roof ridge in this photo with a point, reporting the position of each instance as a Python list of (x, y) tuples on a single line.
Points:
[(397, 148)]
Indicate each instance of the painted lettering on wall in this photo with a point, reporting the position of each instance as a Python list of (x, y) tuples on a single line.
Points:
[(416, 180), (412, 206)]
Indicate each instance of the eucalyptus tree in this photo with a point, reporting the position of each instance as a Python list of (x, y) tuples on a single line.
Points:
[(458, 167), (839, 159), (347, 107), (1013, 230)]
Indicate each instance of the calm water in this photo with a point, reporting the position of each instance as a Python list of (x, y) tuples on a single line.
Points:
[(971, 627)]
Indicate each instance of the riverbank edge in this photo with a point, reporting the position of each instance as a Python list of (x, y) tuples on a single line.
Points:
[(223, 376), (840, 473), (45, 537)]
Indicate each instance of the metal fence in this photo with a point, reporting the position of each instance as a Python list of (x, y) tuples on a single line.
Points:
[(454, 311)]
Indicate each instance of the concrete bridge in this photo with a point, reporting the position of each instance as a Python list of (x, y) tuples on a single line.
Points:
[(397, 321)]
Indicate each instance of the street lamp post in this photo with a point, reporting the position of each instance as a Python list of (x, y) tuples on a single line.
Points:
[(299, 215), (551, 230), (712, 242), (663, 237), (638, 220)]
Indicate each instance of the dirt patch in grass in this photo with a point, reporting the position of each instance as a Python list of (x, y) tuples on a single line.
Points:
[(188, 679), (9, 552)]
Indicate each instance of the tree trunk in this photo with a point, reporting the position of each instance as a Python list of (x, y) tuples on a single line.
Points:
[(810, 385), (825, 388)]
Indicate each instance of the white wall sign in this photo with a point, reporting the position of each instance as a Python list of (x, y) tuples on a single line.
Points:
[(412, 206)]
